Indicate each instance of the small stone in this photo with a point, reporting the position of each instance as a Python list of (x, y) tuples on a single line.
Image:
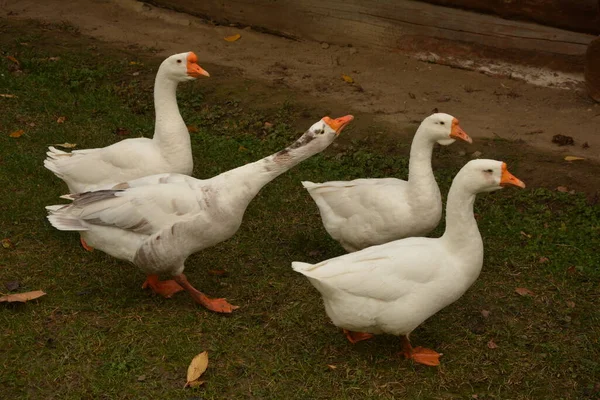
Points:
[(476, 154), (324, 45)]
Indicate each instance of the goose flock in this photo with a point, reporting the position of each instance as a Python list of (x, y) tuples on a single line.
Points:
[(136, 201)]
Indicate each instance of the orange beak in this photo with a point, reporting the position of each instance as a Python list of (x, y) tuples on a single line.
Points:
[(339, 123), (509, 179), (193, 69), (458, 133)]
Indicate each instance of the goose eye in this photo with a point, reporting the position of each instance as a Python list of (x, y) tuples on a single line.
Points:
[(489, 171), (178, 61), (442, 122), (319, 131)]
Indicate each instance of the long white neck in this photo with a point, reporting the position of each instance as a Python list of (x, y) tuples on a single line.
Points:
[(243, 183), (170, 131), (462, 235), (420, 174)]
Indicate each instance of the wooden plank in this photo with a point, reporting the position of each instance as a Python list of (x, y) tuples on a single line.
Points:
[(382, 23), (574, 15), (592, 69)]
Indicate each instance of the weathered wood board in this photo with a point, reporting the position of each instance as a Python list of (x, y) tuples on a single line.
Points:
[(574, 15), (592, 69), (382, 23)]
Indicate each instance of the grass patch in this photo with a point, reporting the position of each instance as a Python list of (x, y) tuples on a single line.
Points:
[(98, 335)]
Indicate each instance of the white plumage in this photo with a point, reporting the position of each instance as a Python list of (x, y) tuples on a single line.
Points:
[(367, 212), (168, 151), (156, 222), (394, 287)]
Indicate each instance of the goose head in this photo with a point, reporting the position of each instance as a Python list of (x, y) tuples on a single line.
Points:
[(182, 67), (483, 175), (320, 135), (443, 128)]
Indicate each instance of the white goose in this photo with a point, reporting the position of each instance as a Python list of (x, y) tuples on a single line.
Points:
[(366, 212), (168, 151), (156, 222), (394, 287)]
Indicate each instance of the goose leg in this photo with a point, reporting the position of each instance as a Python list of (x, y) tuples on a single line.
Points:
[(419, 355), (355, 337), (216, 305), (164, 288), (85, 245)]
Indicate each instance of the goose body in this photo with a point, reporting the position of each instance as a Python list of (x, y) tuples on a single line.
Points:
[(394, 287), (367, 212), (156, 222), (168, 151)]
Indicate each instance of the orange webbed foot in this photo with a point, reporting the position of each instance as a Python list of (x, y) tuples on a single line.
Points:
[(218, 305), (85, 245), (424, 356), (164, 288), (355, 337)]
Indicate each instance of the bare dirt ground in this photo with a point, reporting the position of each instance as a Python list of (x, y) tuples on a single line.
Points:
[(504, 116)]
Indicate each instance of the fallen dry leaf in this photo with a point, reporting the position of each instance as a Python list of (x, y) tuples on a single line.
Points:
[(525, 234), (331, 366), (192, 129), (8, 96), (65, 145), (11, 58), (571, 304), (562, 189), (543, 260), (135, 63), (524, 291), (22, 297), (61, 120), (242, 148), (18, 133), (7, 244), (268, 125), (53, 58), (121, 132), (485, 313), (347, 79), (233, 38), (197, 367), (573, 158), (491, 344)]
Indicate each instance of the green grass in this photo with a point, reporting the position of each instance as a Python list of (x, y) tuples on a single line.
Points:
[(98, 335)]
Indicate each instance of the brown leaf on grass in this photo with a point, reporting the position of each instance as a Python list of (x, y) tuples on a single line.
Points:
[(197, 367), (331, 366), (268, 125), (17, 134), (61, 120), (524, 291), (65, 145), (121, 132), (22, 297), (347, 79), (525, 234), (485, 313), (543, 260), (573, 158), (232, 38), (570, 304), (192, 129), (11, 58), (7, 243), (491, 344), (562, 189), (8, 96)]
